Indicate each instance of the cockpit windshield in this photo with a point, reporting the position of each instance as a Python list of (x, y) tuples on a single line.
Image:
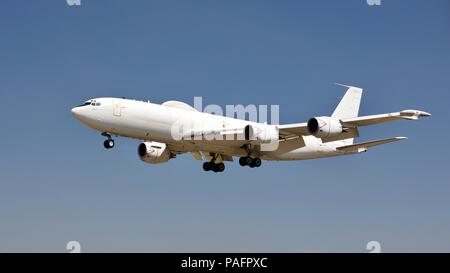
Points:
[(90, 102), (85, 104)]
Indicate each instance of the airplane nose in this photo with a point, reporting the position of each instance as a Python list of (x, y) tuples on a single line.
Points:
[(75, 111), (84, 115), (78, 113)]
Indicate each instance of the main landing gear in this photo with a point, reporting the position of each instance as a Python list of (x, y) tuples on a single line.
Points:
[(212, 166), (109, 143), (251, 162)]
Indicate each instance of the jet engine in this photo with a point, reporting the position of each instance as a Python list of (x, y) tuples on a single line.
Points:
[(261, 133), (323, 127), (154, 152)]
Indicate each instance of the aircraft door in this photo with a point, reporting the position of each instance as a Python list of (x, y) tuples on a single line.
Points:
[(117, 109)]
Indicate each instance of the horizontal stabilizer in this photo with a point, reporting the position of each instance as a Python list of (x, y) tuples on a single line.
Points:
[(362, 147)]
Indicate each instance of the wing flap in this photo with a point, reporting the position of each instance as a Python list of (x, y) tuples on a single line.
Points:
[(208, 156), (197, 155)]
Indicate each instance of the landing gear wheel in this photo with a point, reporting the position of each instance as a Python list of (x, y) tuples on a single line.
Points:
[(207, 166), (242, 161), (248, 160), (109, 144), (211, 166), (220, 167), (257, 162), (252, 165)]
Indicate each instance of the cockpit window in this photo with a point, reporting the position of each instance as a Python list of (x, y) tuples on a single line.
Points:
[(90, 102), (85, 104)]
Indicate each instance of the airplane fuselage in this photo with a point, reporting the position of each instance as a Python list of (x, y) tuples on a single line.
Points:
[(154, 122)]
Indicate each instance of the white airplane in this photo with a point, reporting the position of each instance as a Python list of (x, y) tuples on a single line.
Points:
[(217, 139)]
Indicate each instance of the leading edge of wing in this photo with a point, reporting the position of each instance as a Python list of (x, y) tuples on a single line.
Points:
[(295, 129)]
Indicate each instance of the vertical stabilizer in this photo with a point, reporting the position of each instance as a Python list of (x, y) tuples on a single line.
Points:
[(348, 107)]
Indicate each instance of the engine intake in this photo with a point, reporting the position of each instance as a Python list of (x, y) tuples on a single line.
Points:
[(154, 152), (324, 127)]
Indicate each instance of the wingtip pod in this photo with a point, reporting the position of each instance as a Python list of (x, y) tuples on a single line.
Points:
[(425, 114), (414, 114), (401, 138)]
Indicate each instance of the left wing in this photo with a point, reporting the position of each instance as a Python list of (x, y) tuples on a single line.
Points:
[(293, 130), (350, 124), (375, 119)]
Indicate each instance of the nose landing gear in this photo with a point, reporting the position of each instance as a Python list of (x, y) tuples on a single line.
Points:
[(109, 143)]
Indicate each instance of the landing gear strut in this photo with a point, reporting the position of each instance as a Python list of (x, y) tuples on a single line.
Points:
[(109, 143), (212, 166), (251, 162)]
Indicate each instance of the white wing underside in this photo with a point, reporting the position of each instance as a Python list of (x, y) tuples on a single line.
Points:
[(207, 156)]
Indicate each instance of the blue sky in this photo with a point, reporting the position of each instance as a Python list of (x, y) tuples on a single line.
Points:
[(57, 182)]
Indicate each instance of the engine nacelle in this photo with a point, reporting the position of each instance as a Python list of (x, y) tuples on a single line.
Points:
[(261, 133), (154, 152), (324, 127)]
